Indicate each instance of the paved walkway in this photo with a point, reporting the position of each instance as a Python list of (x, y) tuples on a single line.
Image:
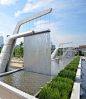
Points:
[(17, 62)]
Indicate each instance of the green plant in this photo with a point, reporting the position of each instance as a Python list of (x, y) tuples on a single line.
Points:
[(62, 87), (74, 65), (76, 60), (0, 49), (67, 74), (18, 52), (49, 93), (65, 80), (71, 67)]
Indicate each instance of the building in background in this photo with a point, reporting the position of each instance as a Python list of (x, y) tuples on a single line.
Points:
[(82, 46), (17, 46), (2, 45), (52, 46), (8, 35), (1, 41)]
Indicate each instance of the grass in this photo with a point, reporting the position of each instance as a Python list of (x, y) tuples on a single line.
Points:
[(49, 93), (56, 90), (67, 74), (61, 86), (65, 80), (71, 67), (76, 60)]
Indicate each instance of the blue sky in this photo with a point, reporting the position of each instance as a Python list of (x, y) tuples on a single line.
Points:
[(67, 20)]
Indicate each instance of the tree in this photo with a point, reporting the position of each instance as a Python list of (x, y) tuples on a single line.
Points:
[(0, 49), (61, 52), (21, 49), (21, 44), (18, 52)]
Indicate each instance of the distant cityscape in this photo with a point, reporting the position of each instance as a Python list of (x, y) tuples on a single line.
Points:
[(52, 46)]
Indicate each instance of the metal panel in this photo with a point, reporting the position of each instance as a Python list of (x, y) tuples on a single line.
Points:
[(37, 53)]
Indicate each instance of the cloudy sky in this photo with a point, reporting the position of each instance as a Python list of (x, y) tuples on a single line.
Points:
[(67, 20)]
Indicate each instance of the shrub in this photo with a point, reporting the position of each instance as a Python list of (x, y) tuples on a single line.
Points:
[(49, 93), (65, 80), (71, 67), (62, 87), (67, 74), (74, 65), (76, 60)]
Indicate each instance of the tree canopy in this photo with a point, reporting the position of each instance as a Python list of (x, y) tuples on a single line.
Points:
[(18, 52)]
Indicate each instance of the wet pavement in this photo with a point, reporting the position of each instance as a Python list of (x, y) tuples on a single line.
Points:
[(59, 64), (28, 82)]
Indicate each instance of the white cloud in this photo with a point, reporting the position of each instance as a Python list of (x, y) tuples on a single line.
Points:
[(43, 24), (7, 2), (62, 37), (58, 36), (61, 9), (57, 5), (33, 5), (54, 27), (17, 13)]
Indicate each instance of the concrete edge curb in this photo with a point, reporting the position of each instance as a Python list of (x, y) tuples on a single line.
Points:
[(10, 72), (76, 87), (15, 91)]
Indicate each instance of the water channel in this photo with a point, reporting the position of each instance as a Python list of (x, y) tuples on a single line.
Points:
[(31, 82), (83, 86), (59, 64)]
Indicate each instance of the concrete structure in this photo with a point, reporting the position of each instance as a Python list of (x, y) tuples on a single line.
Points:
[(9, 92), (82, 46), (9, 45), (76, 87), (52, 46), (54, 54), (83, 49), (5, 54)]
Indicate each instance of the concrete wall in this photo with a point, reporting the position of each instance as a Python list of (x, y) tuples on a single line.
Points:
[(5, 94), (9, 92), (37, 53)]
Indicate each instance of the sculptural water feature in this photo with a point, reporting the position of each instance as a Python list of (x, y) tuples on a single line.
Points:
[(9, 45)]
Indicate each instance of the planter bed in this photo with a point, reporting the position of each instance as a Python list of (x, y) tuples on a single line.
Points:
[(61, 86)]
